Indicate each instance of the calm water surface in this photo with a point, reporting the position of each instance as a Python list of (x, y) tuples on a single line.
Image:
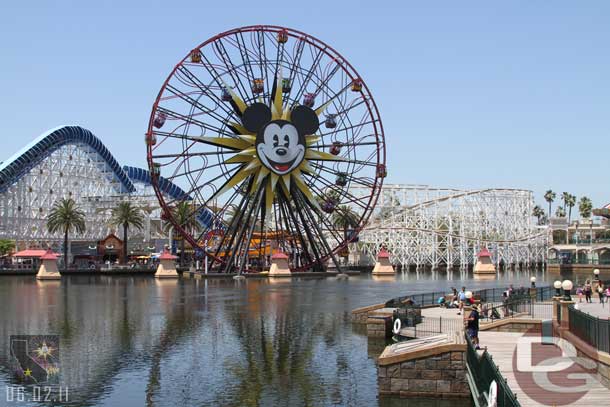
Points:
[(135, 341)]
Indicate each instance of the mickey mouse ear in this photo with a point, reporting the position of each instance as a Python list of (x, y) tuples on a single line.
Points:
[(305, 120), (256, 116)]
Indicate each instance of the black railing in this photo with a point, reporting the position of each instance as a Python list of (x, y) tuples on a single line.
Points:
[(484, 371), (431, 326), (518, 308), (595, 331), (485, 295), (422, 300)]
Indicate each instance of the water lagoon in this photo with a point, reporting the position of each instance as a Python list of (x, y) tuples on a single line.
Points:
[(130, 341)]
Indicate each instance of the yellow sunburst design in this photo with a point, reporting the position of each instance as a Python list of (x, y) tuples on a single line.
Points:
[(250, 166), (44, 350)]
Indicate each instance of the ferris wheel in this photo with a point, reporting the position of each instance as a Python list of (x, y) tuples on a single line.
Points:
[(264, 129)]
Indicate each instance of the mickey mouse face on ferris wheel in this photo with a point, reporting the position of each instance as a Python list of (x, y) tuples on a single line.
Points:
[(280, 144)]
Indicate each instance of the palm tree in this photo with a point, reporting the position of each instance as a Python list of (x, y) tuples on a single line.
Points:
[(184, 215), (549, 196), (560, 212), (585, 207), (569, 203), (344, 217), (6, 246), (538, 212), (127, 215), (66, 216)]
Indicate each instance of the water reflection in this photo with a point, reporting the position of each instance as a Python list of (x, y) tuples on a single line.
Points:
[(139, 340)]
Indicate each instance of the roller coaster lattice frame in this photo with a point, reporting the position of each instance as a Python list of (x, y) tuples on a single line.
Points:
[(423, 226)]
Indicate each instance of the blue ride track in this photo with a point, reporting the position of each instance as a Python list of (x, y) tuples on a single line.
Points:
[(13, 169)]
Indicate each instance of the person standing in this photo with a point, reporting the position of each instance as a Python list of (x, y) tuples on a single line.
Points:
[(600, 292), (588, 290), (472, 326)]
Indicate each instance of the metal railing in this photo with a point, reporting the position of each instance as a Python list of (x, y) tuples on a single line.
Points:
[(422, 300), (431, 326), (593, 330), (519, 307), (484, 371), (592, 262), (485, 295)]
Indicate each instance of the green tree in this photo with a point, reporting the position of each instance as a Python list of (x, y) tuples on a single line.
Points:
[(569, 201), (560, 212), (585, 207), (550, 196), (65, 217), (538, 212), (127, 215), (6, 246), (344, 217), (184, 215)]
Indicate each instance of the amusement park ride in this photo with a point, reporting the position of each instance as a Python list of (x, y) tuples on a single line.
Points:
[(266, 129)]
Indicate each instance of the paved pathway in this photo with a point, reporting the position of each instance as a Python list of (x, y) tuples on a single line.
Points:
[(595, 308)]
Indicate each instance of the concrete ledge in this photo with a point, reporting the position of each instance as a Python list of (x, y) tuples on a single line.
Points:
[(493, 326), (421, 394), (419, 353), (360, 315), (440, 374)]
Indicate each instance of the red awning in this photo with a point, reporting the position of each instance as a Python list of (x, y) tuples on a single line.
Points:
[(30, 253), (484, 253)]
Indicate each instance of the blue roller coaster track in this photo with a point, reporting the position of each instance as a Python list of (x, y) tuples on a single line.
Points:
[(13, 169)]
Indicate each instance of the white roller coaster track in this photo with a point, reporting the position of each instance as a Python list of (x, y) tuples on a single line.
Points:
[(435, 227)]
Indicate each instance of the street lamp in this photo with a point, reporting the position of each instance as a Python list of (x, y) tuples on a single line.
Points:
[(533, 281), (567, 288), (596, 273), (557, 285)]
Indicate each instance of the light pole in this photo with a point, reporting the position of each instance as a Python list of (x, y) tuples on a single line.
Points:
[(567, 288), (557, 285), (533, 281)]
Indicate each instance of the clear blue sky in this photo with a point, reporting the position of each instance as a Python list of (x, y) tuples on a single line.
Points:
[(472, 94)]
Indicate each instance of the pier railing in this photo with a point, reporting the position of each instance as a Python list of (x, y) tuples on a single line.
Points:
[(516, 308), (485, 295), (483, 372), (593, 330), (430, 326)]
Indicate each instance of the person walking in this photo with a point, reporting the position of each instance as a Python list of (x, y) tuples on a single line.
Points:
[(579, 292), (588, 291), (462, 298), (472, 326), (600, 292)]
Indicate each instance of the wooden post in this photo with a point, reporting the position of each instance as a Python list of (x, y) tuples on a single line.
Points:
[(565, 315)]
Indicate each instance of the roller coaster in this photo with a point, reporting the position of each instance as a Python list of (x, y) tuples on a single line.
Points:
[(423, 227)]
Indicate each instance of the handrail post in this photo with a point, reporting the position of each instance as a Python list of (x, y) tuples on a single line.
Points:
[(565, 314)]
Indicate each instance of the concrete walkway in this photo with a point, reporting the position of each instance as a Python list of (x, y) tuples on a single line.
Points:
[(595, 308)]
